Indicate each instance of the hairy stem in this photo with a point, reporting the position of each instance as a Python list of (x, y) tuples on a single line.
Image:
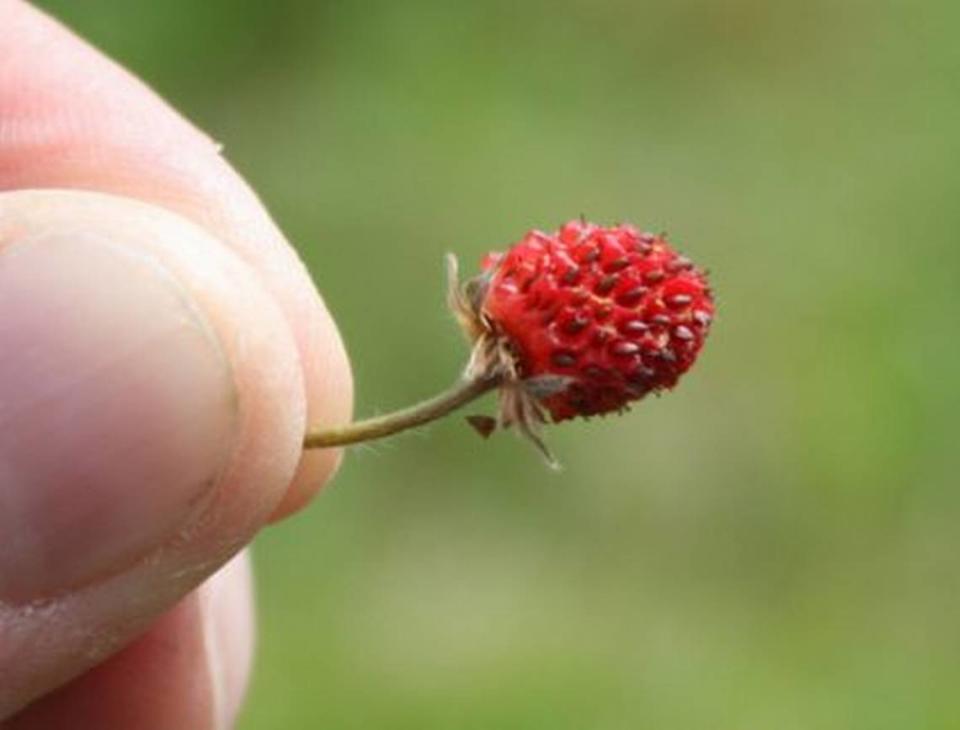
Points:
[(461, 393)]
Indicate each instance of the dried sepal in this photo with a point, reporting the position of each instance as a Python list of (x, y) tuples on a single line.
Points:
[(483, 425), (492, 356)]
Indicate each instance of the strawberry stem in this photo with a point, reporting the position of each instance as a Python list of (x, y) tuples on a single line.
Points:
[(462, 392)]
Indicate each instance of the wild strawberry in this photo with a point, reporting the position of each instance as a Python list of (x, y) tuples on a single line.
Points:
[(577, 323), (618, 312), (583, 321)]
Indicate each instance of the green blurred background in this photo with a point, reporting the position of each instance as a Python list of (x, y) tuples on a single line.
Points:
[(775, 545)]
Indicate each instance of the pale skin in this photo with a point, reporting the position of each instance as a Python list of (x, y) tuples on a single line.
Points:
[(161, 354)]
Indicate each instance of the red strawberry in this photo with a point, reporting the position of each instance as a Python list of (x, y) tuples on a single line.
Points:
[(578, 323), (609, 314)]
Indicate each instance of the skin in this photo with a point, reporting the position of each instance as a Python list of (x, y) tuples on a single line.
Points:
[(163, 350)]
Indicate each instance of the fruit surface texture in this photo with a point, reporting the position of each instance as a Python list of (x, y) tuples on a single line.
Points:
[(617, 313)]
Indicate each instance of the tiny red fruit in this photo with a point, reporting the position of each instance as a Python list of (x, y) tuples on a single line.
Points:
[(582, 322), (618, 312)]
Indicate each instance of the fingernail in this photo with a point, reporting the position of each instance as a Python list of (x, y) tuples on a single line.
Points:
[(117, 410)]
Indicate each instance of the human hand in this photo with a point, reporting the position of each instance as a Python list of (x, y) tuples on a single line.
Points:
[(161, 350)]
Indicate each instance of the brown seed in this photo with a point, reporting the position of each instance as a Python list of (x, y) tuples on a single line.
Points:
[(577, 324), (595, 372), (655, 275), (618, 264), (641, 375), (563, 359), (632, 296), (624, 348), (579, 296), (702, 317), (570, 277), (681, 263), (661, 319), (635, 327), (679, 300), (603, 311), (591, 255), (606, 284)]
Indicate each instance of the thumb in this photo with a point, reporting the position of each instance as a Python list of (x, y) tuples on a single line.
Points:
[(151, 414)]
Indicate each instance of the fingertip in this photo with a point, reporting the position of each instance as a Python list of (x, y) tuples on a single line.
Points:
[(329, 385)]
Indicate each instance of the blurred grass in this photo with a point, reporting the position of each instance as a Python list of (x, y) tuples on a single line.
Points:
[(773, 545)]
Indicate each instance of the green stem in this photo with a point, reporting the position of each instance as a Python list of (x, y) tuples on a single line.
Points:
[(461, 393)]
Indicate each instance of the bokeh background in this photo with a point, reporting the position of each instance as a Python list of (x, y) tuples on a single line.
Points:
[(774, 545)]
